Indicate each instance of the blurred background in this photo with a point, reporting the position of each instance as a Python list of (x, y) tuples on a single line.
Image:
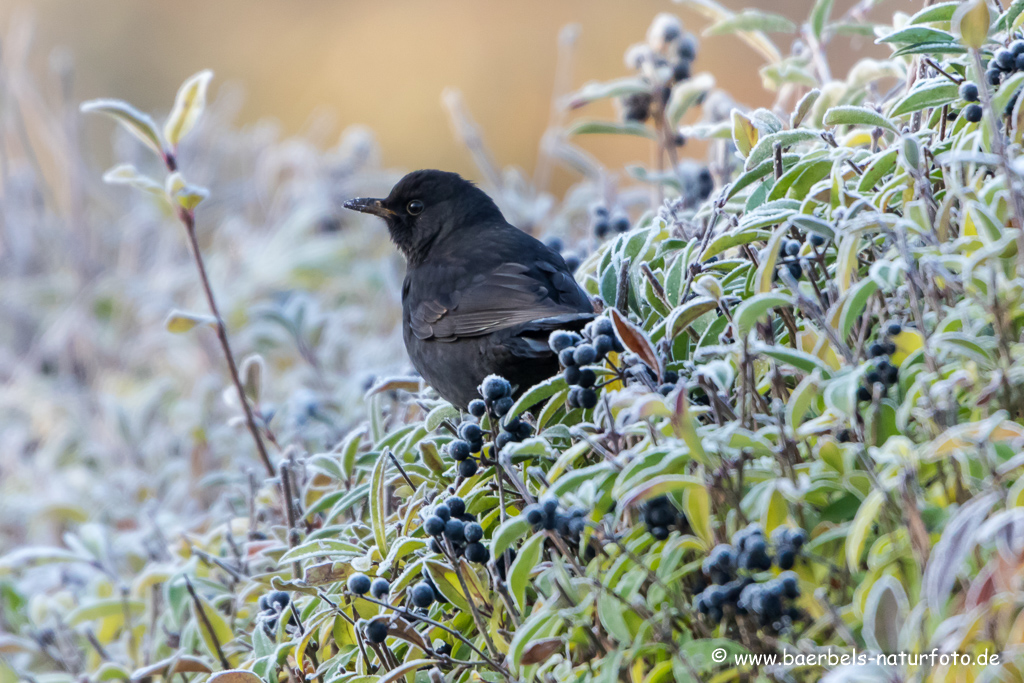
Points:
[(327, 64), (105, 415)]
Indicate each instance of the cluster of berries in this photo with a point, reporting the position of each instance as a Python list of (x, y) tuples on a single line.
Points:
[(272, 606), (787, 542), (451, 522), (667, 49), (496, 396), (766, 601), (603, 225), (749, 552), (1004, 62), (969, 93), (790, 252), (360, 584), (462, 449), (660, 516), (577, 351), (884, 372), (548, 515), (513, 431)]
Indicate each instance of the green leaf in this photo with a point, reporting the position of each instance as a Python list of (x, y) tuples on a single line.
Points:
[(697, 506), (934, 14), (683, 316), (511, 530), (918, 34), (378, 499), (658, 486), (856, 300), (804, 106), (786, 138), (819, 17), (188, 106), (933, 93), (522, 567), (138, 124), (861, 527), (857, 116), (591, 92), (589, 127), (932, 49), (751, 20), (535, 395), (750, 311), (218, 631), (445, 411), (766, 269)]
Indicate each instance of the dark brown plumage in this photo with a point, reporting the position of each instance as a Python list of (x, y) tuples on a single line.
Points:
[(480, 296)]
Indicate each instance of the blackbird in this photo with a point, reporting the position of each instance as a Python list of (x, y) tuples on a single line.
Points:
[(480, 296)]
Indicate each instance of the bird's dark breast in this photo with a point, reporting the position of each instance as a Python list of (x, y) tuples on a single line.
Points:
[(456, 368)]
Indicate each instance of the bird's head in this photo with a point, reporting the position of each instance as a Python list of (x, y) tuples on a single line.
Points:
[(425, 205)]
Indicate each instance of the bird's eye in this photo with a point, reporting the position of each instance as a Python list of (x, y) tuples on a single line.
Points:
[(414, 207)]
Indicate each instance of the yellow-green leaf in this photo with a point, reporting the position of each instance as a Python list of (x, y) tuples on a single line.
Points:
[(188, 106), (970, 23)]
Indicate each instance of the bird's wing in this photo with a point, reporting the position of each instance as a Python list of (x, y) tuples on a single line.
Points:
[(510, 294)]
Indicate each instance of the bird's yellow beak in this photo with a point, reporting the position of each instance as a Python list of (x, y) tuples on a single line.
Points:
[(369, 205)]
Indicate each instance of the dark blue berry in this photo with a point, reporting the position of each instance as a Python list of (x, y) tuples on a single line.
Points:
[(973, 113), (477, 552), (968, 91), (588, 399), (603, 227), (571, 375), (473, 532), (456, 506), (422, 594), (477, 408), (458, 449), (587, 378), (560, 339), (495, 387), (659, 532), (471, 432), (534, 514), (434, 525), (603, 345), (585, 354), (380, 587), (785, 558), (503, 405), (454, 529), (893, 329), (620, 223), (467, 468), (567, 357), (817, 240), (359, 584), (377, 631), (443, 511)]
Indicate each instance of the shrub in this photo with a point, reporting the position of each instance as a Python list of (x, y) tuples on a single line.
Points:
[(801, 433)]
